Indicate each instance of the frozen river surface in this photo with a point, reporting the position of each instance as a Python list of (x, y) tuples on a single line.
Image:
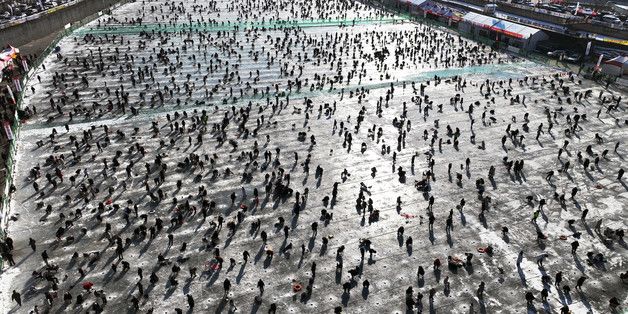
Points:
[(295, 131)]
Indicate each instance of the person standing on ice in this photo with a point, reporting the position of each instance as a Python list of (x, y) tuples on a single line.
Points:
[(190, 300), (574, 246), (529, 298), (480, 291), (17, 297), (260, 285), (226, 286), (535, 216), (541, 258)]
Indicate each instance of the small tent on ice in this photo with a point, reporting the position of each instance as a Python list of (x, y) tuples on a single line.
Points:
[(617, 66)]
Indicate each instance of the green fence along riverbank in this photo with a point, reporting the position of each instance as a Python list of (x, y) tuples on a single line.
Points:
[(204, 27)]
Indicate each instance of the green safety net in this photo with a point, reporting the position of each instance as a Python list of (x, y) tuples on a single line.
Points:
[(204, 27)]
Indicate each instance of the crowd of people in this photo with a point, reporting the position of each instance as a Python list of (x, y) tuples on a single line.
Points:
[(292, 151)]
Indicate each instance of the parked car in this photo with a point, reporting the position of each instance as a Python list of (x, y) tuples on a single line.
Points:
[(609, 18), (546, 46), (556, 53), (573, 57)]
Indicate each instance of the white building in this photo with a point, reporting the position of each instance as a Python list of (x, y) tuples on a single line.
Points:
[(512, 36)]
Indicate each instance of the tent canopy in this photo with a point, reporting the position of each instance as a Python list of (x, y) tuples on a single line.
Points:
[(619, 61), (499, 25), (616, 66)]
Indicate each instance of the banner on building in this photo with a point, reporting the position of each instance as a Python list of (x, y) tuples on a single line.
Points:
[(18, 84), (7, 130)]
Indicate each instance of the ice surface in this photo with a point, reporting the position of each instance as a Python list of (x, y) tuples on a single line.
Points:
[(394, 266)]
